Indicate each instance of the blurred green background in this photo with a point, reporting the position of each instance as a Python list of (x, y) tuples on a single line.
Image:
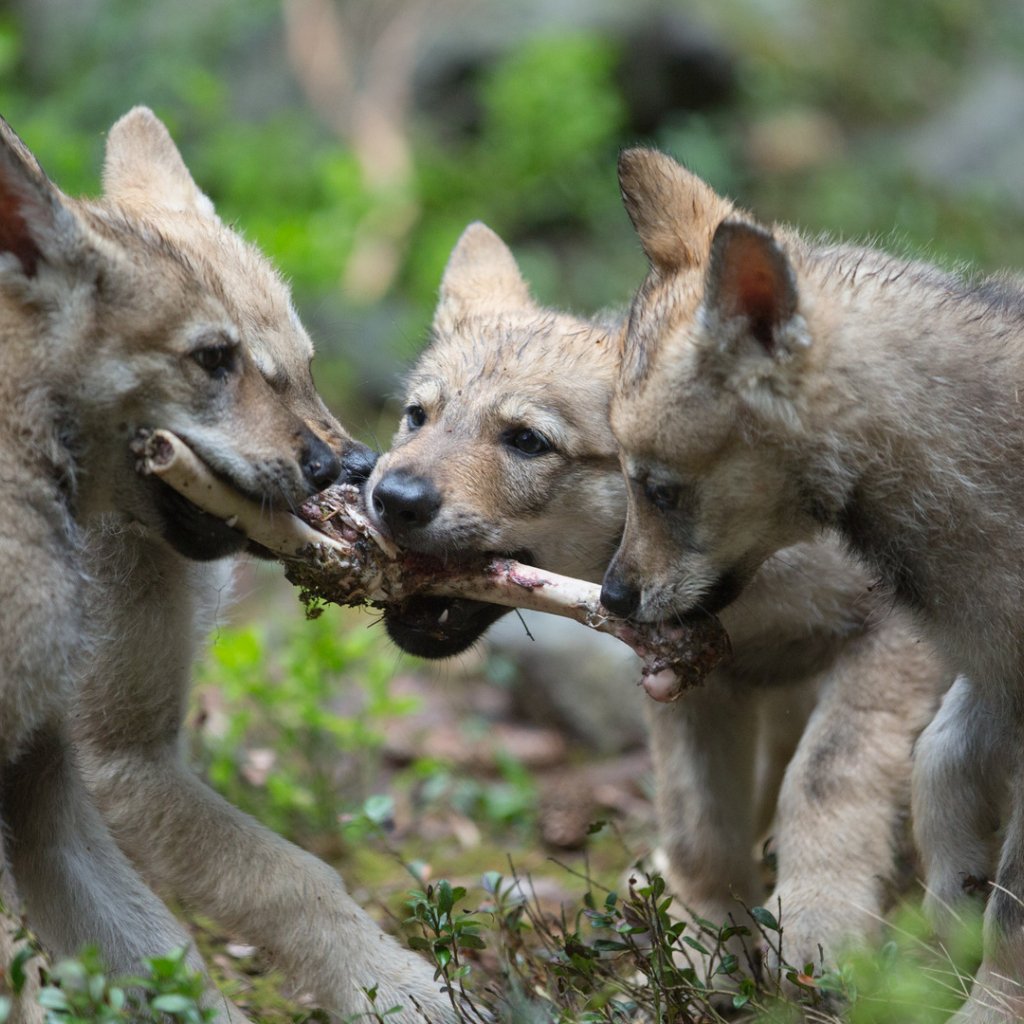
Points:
[(354, 139)]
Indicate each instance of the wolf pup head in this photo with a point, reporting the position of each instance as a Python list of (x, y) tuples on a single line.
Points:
[(158, 315), (715, 348), (504, 444)]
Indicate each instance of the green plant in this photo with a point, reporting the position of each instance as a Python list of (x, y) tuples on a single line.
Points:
[(445, 936), (508, 801), (78, 991), (543, 160), (615, 958), (301, 731)]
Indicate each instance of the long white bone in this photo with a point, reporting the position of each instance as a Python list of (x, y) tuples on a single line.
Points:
[(345, 559)]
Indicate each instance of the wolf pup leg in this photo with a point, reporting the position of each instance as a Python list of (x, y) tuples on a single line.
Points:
[(959, 800)]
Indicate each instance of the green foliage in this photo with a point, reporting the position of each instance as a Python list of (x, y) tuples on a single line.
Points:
[(281, 693), (544, 158), (297, 195), (510, 800), (445, 935), (626, 956), (908, 979), (78, 991)]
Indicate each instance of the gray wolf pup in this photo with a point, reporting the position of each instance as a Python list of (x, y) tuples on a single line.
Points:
[(505, 445), (773, 387), (137, 310)]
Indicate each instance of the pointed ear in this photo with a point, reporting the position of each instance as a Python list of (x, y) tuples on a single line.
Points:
[(143, 166), (750, 277), (673, 211), (482, 274), (35, 224)]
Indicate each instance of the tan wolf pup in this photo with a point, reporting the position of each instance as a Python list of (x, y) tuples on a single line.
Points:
[(773, 387), (505, 445), (141, 310)]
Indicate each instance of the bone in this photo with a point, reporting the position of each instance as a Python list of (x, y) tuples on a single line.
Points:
[(335, 553)]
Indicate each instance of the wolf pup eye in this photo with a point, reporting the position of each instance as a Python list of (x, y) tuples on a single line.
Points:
[(415, 416), (662, 496), (217, 360), (528, 441)]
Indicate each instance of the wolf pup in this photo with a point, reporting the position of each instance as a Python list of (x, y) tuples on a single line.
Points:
[(773, 387), (505, 445), (135, 311)]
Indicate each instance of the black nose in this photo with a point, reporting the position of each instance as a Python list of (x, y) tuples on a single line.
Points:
[(619, 597), (405, 502), (357, 463), (320, 465)]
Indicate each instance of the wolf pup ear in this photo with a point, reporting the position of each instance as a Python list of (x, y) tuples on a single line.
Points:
[(35, 225), (143, 167), (673, 211), (481, 275), (750, 278)]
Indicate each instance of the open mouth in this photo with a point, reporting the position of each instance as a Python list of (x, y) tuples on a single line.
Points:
[(441, 627), (191, 531), (194, 532), (729, 585)]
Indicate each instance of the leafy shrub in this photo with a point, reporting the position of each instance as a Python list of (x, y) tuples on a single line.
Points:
[(284, 748)]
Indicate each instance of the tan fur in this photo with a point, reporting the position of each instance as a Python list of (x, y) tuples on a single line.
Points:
[(810, 641), (115, 315), (837, 386)]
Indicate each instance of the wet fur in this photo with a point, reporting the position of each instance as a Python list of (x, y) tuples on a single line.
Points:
[(878, 397)]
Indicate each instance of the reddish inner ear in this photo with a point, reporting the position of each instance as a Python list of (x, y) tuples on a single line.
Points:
[(753, 281), (15, 236), (757, 298)]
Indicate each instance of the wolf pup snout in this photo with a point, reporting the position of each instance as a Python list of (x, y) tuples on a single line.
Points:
[(405, 502), (320, 466), (357, 463)]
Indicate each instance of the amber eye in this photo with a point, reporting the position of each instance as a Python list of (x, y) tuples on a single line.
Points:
[(217, 360), (662, 496), (527, 441), (415, 416)]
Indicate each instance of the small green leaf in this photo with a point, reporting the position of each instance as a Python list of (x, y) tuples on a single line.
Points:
[(97, 986), (445, 897), (18, 975), (51, 998), (173, 1003), (765, 918), (729, 964)]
